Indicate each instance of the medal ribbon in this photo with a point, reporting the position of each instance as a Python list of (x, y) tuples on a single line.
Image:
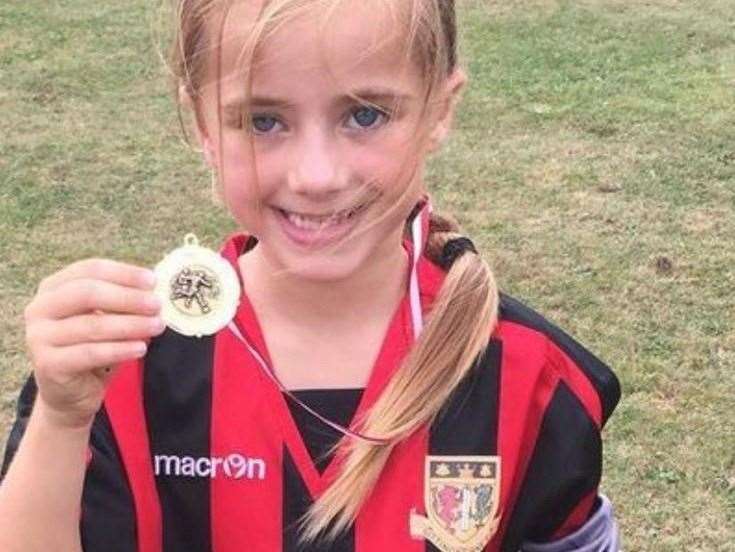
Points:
[(419, 236)]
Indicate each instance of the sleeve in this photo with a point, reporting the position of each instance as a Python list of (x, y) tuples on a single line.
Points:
[(572, 516), (598, 534), (559, 506), (22, 414), (107, 514), (108, 510)]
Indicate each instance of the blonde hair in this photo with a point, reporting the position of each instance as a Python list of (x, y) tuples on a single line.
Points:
[(464, 312)]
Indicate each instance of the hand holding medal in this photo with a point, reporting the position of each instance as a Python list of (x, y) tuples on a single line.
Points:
[(199, 290)]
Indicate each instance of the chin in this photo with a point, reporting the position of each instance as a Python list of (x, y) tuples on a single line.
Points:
[(319, 267)]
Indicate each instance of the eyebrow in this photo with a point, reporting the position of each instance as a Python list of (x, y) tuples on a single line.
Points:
[(371, 95)]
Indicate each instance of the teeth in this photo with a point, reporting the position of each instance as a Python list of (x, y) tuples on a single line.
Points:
[(317, 223), (304, 222)]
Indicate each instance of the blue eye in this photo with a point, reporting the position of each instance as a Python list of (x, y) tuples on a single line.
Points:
[(263, 123), (367, 117)]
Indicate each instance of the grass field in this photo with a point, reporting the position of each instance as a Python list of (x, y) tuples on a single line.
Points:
[(593, 162)]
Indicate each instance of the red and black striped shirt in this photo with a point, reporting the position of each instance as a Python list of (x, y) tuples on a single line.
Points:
[(196, 449)]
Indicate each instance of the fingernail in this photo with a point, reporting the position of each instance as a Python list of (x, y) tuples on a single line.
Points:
[(153, 302), (149, 278), (139, 350), (157, 325)]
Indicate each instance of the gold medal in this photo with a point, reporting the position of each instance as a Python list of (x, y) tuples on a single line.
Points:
[(199, 289)]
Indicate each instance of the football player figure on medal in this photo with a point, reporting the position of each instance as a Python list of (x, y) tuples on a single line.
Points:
[(199, 289)]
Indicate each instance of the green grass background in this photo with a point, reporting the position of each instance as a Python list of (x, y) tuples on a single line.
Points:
[(593, 162)]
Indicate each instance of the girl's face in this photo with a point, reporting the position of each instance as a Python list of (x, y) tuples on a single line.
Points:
[(316, 151)]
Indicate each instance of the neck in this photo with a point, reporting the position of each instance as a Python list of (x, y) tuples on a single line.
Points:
[(373, 291)]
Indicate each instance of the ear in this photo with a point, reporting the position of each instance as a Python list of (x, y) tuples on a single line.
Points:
[(200, 128), (450, 96)]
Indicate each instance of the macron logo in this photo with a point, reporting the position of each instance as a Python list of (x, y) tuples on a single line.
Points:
[(234, 466)]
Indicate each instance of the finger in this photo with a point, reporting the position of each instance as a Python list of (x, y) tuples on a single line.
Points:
[(115, 272), (98, 328), (91, 356), (84, 295)]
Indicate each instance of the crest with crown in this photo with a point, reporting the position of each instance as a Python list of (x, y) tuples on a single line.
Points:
[(461, 497)]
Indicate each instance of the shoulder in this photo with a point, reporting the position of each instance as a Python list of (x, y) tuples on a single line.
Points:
[(555, 397), (530, 342)]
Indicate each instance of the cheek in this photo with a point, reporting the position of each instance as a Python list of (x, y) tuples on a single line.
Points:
[(388, 164), (400, 148), (240, 174), (244, 188)]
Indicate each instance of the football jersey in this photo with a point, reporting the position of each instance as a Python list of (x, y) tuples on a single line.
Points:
[(336, 405), (195, 447)]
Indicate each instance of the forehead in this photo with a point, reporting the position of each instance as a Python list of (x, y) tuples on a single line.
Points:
[(351, 43)]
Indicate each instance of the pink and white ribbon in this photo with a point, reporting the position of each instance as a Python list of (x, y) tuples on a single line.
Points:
[(419, 237)]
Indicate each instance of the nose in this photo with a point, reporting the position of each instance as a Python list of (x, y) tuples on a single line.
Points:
[(315, 167)]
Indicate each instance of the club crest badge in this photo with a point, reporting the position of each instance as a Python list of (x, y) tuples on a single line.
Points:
[(461, 497), (199, 289)]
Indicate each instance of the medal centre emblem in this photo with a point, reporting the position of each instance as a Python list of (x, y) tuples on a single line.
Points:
[(195, 291)]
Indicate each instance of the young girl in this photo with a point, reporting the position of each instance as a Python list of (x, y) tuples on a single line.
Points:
[(373, 391)]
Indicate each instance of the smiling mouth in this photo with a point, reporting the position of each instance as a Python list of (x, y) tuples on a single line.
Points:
[(317, 222)]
